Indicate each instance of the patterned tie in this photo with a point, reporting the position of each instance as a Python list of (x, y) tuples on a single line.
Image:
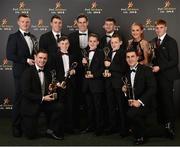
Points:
[(158, 43)]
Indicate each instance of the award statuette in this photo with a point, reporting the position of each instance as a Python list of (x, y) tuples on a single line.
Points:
[(127, 89), (68, 76), (53, 86), (87, 66), (106, 54), (152, 47)]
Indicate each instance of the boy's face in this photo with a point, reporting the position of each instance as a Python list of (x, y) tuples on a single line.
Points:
[(93, 42), (109, 26), (160, 30), (115, 43), (63, 45), (131, 58)]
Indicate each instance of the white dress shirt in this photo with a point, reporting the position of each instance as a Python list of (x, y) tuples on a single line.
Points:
[(83, 39), (28, 41), (41, 77), (133, 74), (113, 54), (65, 59), (91, 54), (109, 38), (161, 38), (55, 33)]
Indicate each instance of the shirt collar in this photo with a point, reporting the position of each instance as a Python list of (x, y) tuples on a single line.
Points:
[(162, 37), (22, 32), (55, 33), (37, 67), (134, 67), (86, 32), (110, 34)]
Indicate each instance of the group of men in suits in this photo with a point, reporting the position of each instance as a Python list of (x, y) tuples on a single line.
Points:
[(60, 52)]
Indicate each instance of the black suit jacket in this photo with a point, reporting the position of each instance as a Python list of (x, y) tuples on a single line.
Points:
[(144, 84), (74, 45), (58, 66), (118, 68), (18, 51), (96, 67), (167, 58), (103, 42), (48, 42), (31, 90)]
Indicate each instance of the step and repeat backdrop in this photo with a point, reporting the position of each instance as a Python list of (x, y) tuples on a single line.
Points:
[(124, 11)]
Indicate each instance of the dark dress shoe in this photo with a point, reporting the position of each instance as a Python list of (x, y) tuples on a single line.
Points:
[(16, 132), (110, 131), (52, 135), (98, 132), (87, 130), (139, 141), (170, 131)]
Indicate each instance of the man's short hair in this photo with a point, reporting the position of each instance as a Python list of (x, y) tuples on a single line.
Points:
[(111, 20), (82, 16), (55, 16), (23, 15), (132, 50), (160, 22), (41, 51)]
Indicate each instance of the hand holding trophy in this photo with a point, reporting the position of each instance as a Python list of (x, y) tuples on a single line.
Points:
[(70, 72), (53, 86), (152, 47), (107, 62), (86, 64), (128, 90)]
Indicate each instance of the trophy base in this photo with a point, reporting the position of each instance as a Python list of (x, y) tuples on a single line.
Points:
[(88, 72), (63, 84), (54, 95)]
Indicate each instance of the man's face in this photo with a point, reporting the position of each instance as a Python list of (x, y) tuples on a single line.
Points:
[(82, 24), (63, 45), (160, 30), (56, 25), (41, 59), (115, 43), (24, 23), (131, 58), (109, 26), (93, 42)]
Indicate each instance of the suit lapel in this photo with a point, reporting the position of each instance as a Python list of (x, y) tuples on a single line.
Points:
[(36, 76), (23, 42), (52, 38), (138, 71), (61, 65), (93, 59)]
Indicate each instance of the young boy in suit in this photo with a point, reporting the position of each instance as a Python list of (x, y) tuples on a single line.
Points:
[(93, 85), (62, 65)]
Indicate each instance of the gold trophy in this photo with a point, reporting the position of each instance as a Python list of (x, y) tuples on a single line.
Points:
[(68, 76), (127, 89), (53, 86), (87, 66), (106, 54)]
